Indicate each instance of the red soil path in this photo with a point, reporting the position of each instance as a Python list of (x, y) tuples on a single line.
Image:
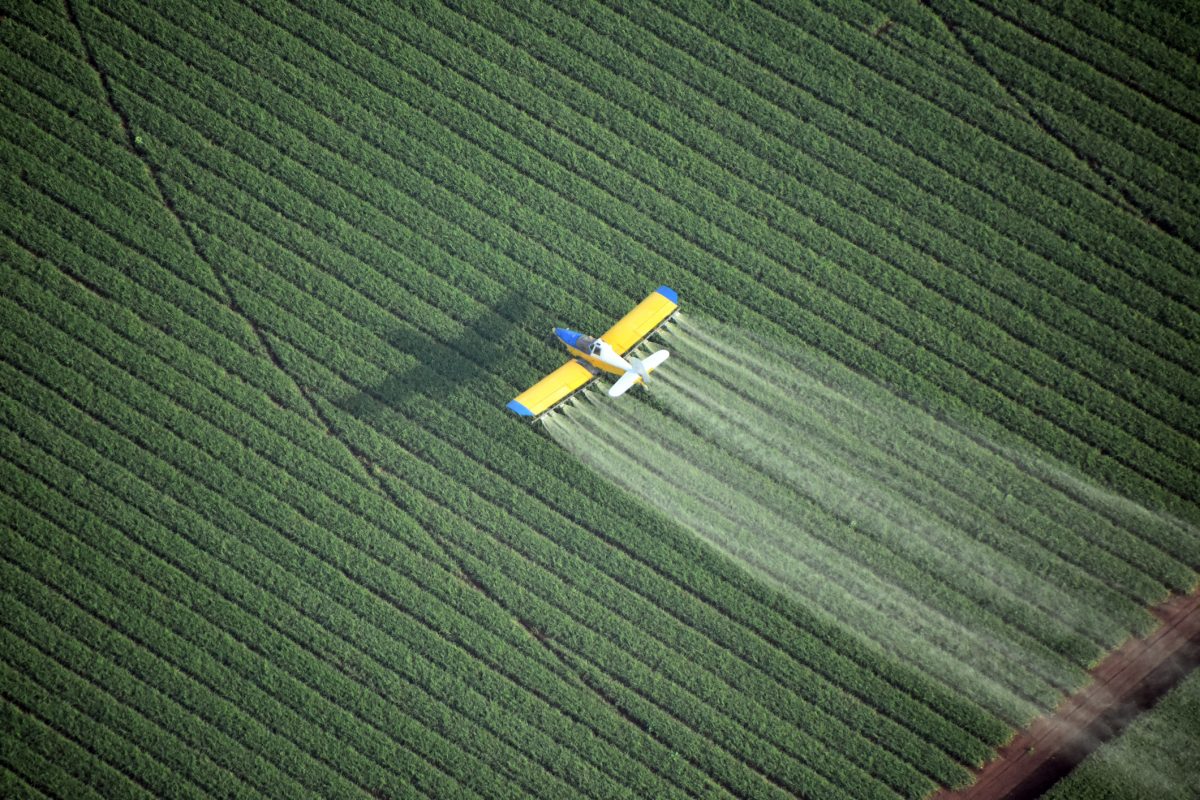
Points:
[(1130, 679)]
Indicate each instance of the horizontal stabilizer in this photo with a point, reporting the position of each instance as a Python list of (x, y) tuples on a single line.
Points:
[(623, 383), (655, 359)]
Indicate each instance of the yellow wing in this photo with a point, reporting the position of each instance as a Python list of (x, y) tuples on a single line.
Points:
[(552, 389), (642, 320)]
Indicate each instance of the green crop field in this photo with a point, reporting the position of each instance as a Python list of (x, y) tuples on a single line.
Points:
[(927, 447)]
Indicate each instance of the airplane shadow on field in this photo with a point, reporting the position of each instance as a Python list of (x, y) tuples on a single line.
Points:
[(487, 346)]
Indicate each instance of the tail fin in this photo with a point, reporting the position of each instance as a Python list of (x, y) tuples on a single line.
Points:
[(640, 368)]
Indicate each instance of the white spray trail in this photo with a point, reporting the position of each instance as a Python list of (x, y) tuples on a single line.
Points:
[(841, 495)]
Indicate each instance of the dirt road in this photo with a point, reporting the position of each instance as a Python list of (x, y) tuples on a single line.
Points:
[(1129, 680)]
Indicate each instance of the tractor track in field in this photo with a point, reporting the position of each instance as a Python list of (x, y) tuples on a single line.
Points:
[(1128, 681)]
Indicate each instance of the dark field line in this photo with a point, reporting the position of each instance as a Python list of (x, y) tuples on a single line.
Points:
[(410, 433), (321, 656), (962, 468), (402, 438), (811, 435), (1179, 186), (597, 154), (252, 183), (1175, 208), (1027, 28), (1119, 34), (516, 549), (41, 759)]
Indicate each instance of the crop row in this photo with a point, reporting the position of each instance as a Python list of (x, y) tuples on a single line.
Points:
[(1019, 611), (150, 720), (410, 703), (117, 271), (409, 432), (419, 438), (802, 537), (1168, 25), (265, 647), (952, 318), (262, 658), (1085, 33), (25, 772), (289, 328), (572, 620), (109, 762), (1169, 68), (118, 334), (974, 468), (80, 627), (37, 758)]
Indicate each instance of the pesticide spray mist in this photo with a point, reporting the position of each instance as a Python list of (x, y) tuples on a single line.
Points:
[(942, 550)]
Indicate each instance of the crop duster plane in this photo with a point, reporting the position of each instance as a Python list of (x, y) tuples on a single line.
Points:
[(593, 355)]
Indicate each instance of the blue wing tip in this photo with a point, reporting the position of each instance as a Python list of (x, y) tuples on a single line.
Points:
[(517, 408), (669, 293)]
